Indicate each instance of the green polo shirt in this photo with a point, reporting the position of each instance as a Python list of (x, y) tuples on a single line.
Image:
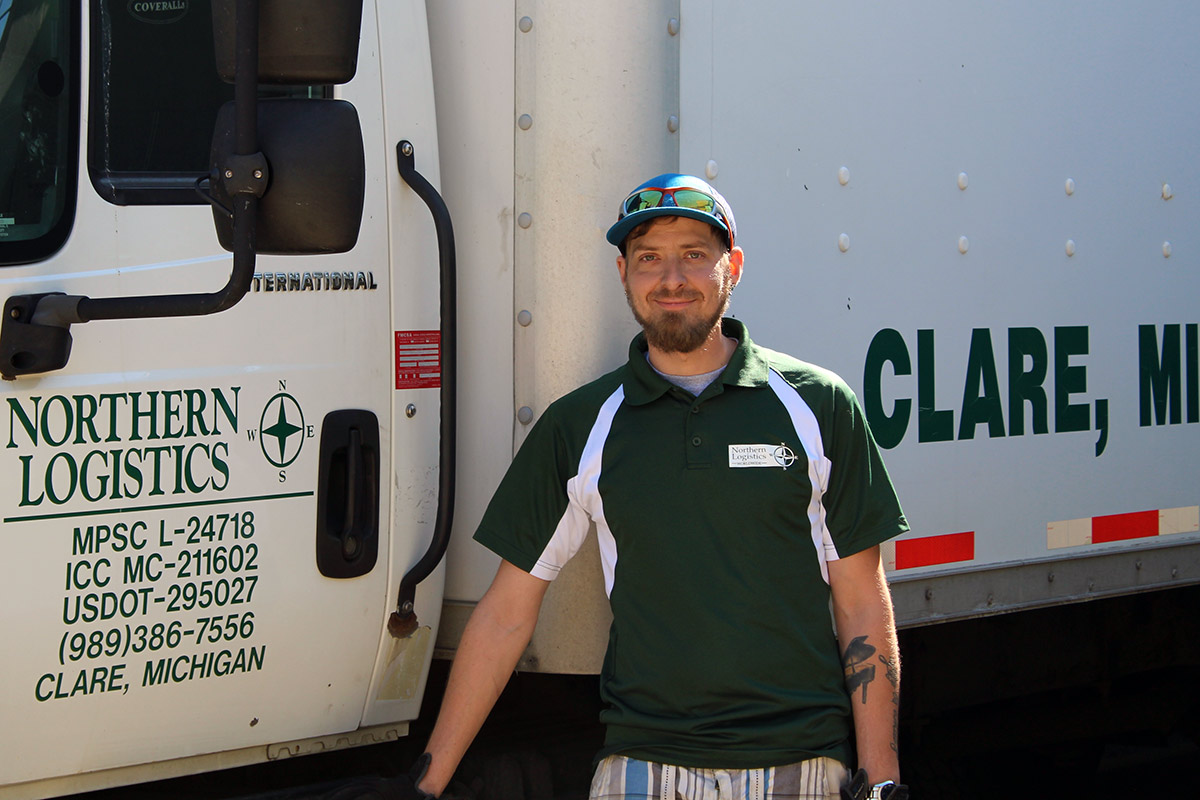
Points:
[(716, 517)]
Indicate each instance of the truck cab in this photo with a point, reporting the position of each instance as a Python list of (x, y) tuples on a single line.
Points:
[(207, 515)]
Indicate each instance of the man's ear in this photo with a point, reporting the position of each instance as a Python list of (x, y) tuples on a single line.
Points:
[(735, 264), (621, 268)]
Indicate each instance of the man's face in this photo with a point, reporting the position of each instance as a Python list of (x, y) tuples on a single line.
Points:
[(677, 278)]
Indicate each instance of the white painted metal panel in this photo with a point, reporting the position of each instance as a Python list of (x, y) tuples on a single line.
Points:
[(957, 167), (473, 80), (544, 124), (597, 82), (406, 113)]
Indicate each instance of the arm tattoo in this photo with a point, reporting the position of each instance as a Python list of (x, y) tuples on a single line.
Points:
[(892, 671), (858, 672)]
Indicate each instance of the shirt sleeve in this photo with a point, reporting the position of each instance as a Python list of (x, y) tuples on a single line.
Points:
[(531, 520), (862, 509)]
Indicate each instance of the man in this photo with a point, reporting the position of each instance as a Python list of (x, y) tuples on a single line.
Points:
[(738, 496)]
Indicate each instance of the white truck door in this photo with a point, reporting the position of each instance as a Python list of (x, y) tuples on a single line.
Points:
[(168, 588)]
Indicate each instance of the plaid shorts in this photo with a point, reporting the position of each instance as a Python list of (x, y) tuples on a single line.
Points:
[(621, 778)]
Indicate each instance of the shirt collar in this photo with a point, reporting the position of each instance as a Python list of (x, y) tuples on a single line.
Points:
[(746, 366)]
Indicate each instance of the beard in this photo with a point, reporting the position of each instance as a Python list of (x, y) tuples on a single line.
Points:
[(676, 331)]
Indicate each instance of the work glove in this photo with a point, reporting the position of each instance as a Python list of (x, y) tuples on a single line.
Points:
[(405, 786)]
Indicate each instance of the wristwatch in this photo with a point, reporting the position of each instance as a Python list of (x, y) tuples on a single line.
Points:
[(856, 789), (888, 790)]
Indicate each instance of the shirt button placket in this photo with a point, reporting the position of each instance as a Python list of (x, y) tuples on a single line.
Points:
[(694, 437)]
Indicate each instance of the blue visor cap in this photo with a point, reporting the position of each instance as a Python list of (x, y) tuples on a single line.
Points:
[(644, 203)]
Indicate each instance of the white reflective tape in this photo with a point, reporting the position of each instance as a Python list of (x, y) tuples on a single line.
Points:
[(1069, 533), (1179, 520), (887, 554), (1077, 532)]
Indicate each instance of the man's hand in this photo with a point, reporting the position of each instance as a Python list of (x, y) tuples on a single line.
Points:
[(370, 788), (405, 787)]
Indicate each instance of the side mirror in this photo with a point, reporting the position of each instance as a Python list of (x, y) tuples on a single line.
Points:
[(313, 201), (300, 41), (287, 175)]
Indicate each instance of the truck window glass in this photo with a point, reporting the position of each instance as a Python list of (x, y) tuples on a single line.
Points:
[(154, 98), (39, 102)]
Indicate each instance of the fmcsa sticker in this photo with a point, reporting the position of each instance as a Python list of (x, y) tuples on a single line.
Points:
[(418, 359)]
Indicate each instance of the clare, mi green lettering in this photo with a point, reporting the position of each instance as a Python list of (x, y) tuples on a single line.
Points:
[(933, 425), (1070, 379), (1028, 365), (1163, 374), (886, 347), (981, 394)]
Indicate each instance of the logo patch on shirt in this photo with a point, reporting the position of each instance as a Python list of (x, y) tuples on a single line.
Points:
[(761, 455)]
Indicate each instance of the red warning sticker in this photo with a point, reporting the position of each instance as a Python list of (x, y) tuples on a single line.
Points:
[(418, 359)]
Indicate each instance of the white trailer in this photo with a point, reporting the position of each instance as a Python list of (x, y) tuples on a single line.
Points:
[(982, 217)]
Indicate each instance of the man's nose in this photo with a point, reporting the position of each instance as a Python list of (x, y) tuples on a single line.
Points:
[(673, 273)]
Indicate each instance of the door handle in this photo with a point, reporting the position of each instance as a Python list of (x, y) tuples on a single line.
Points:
[(403, 620), (348, 494)]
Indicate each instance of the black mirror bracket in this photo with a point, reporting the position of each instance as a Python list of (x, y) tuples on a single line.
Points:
[(36, 333), (245, 175), (202, 187)]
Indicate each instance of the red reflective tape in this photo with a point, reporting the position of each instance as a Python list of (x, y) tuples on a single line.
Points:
[(418, 359), (1118, 527), (928, 550)]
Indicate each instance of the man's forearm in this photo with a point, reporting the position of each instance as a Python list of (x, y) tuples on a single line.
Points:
[(871, 660), (873, 682), (495, 636)]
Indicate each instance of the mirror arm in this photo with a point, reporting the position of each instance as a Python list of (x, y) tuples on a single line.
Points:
[(244, 176)]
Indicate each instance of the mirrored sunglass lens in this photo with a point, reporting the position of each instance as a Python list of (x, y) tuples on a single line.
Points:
[(688, 198), (643, 200)]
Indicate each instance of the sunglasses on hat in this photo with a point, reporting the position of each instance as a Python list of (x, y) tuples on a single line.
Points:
[(680, 197)]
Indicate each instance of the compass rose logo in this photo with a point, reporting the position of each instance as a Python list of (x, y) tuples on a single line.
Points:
[(281, 430), (784, 456)]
